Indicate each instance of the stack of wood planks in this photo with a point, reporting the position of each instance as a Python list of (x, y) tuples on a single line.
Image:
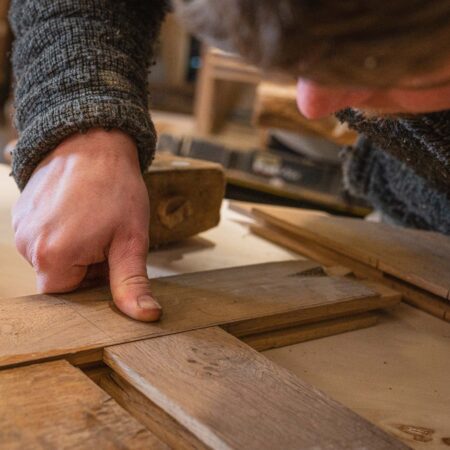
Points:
[(413, 262), (75, 373)]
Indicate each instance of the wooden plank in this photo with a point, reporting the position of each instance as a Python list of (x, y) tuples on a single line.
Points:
[(412, 295), (54, 405), (246, 208), (307, 332), (388, 298), (253, 298), (230, 396), (313, 250), (154, 418), (420, 299), (418, 257)]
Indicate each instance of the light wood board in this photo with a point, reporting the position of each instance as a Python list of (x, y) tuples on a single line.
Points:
[(55, 406), (417, 257), (411, 294), (248, 300), (231, 397)]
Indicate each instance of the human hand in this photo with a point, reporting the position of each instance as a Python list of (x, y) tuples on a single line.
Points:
[(85, 213)]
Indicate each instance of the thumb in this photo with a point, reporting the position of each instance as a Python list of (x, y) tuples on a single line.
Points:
[(130, 285)]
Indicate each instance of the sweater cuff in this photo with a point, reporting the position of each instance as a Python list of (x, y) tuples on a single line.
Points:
[(48, 130)]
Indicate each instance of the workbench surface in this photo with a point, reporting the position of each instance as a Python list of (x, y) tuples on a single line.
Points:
[(395, 374)]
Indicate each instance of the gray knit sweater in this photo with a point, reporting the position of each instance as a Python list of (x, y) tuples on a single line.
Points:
[(81, 64), (401, 165)]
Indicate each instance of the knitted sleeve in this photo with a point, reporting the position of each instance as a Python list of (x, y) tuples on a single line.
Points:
[(81, 64), (394, 188)]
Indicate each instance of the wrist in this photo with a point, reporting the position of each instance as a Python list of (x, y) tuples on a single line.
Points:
[(97, 145), (106, 142)]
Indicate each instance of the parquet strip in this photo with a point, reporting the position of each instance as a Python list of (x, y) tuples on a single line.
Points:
[(154, 418), (307, 332), (55, 406), (412, 295), (417, 257), (231, 397), (247, 300)]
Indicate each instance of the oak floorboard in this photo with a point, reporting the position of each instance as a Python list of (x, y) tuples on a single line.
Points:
[(414, 296), (55, 406), (231, 397), (246, 299), (154, 418), (307, 332), (421, 258)]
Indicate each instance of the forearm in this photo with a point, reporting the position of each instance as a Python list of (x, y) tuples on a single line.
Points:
[(81, 64)]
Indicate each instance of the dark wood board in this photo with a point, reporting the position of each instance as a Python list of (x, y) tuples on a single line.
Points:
[(55, 406)]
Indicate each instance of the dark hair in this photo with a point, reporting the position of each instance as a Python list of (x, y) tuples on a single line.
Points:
[(368, 43)]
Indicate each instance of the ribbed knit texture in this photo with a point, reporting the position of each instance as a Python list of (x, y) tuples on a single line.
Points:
[(395, 189), (421, 141), (401, 165), (81, 64)]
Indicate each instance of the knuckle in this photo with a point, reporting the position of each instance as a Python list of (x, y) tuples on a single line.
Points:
[(45, 254)]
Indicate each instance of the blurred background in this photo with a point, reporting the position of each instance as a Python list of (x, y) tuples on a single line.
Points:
[(211, 105)]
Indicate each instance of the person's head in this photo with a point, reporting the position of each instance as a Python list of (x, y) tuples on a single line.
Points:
[(389, 56)]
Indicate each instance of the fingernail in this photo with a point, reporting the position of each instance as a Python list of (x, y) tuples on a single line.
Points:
[(147, 302)]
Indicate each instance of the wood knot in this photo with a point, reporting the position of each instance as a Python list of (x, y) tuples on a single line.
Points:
[(310, 273), (420, 434)]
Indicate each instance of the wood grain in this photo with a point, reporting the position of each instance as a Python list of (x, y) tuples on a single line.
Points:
[(185, 197), (55, 406), (411, 294), (252, 299), (307, 332), (154, 418), (421, 258), (230, 396)]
